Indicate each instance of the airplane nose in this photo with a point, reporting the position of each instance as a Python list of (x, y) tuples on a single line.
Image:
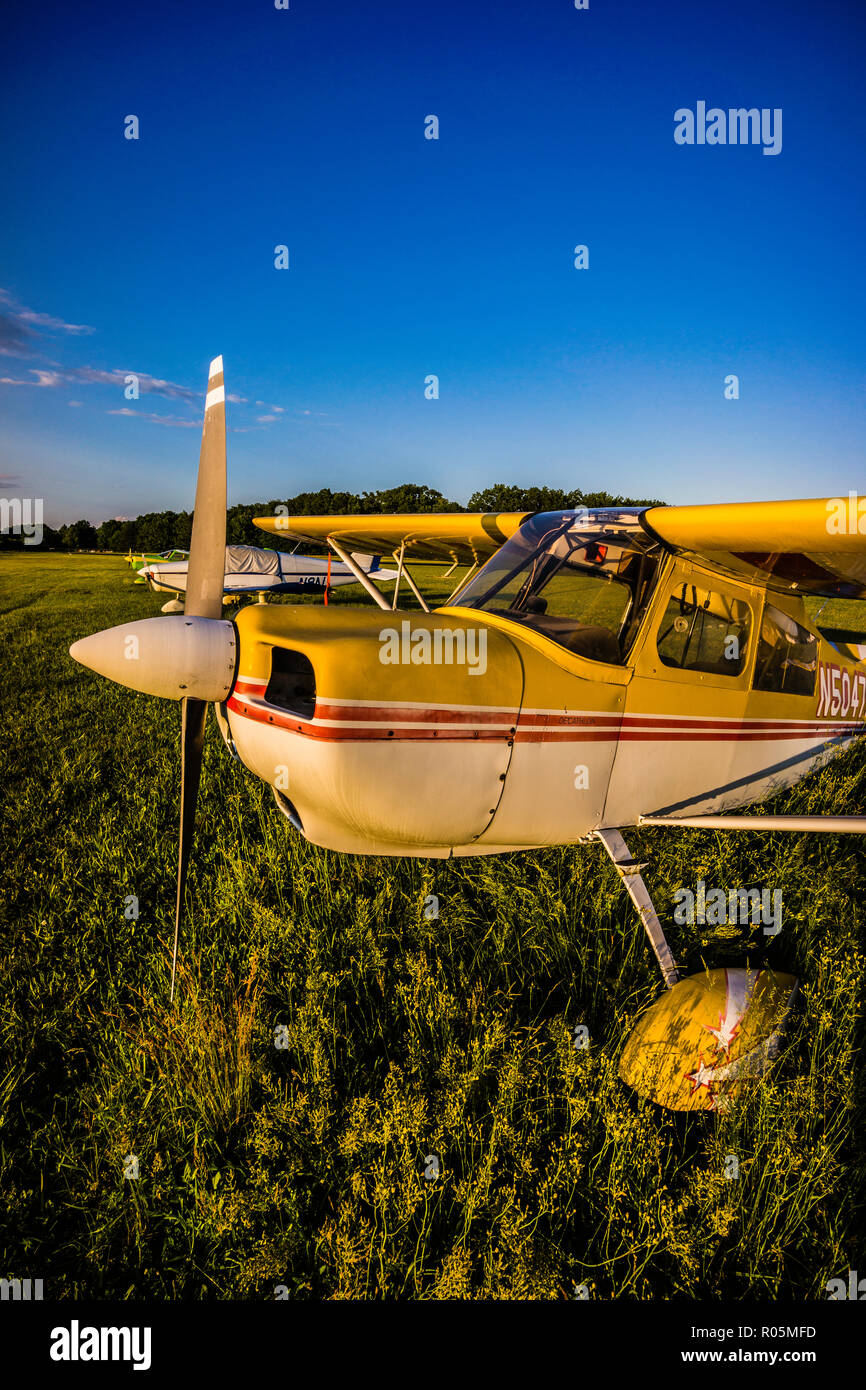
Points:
[(174, 657), (337, 708)]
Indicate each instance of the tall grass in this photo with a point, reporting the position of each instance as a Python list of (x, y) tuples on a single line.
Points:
[(405, 1039)]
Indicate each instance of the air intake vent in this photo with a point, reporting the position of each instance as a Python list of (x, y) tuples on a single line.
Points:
[(292, 685)]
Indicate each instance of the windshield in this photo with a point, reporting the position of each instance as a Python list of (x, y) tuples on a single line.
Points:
[(581, 578)]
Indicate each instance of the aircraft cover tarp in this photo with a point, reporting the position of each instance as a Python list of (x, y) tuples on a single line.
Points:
[(249, 559)]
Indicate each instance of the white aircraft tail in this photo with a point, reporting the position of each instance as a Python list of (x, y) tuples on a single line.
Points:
[(370, 563)]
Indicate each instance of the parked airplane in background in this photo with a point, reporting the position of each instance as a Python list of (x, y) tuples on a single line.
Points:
[(138, 562), (604, 669), (251, 570)]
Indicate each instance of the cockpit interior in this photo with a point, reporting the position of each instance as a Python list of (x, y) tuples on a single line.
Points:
[(582, 578)]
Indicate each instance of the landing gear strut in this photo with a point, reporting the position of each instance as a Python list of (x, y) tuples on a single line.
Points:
[(630, 873)]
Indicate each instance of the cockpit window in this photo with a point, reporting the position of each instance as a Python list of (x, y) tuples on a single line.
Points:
[(704, 630), (581, 578), (787, 660)]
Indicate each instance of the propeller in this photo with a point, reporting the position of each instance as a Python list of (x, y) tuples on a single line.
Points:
[(204, 599), (193, 714), (193, 657)]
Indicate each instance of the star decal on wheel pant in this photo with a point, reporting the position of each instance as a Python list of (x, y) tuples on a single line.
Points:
[(725, 1033), (703, 1076)]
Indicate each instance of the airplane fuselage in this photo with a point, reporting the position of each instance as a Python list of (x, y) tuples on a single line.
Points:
[(510, 741)]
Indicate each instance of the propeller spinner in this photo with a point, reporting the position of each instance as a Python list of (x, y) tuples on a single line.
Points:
[(191, 658)]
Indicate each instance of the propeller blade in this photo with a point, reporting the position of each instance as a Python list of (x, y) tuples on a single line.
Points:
[(207, 551), (204, 599), (193, 716), (191, 658)]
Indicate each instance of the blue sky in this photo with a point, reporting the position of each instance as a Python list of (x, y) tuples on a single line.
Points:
[(411, 257)]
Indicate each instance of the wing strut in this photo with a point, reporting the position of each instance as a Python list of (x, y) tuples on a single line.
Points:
[(414, 587), (630, 873), (376, 594), (359, 574), (398, 556), (835, 825), (462, 584)]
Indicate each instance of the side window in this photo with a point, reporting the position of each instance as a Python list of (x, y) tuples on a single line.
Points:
[(787, 659), (704, 630)]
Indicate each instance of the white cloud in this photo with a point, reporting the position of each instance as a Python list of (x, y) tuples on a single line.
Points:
[(172, 420), (42, 378), (17, 324), (98, 376)]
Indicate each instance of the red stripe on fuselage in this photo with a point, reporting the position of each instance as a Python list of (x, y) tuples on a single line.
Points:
[(459, 725)]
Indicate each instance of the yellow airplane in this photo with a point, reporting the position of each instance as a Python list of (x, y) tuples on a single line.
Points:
[(140, 561), (596, 670)]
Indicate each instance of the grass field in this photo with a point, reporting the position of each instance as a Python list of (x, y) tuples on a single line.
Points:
[(405, 1038)]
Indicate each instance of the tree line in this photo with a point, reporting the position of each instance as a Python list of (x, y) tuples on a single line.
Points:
[(156, 531)]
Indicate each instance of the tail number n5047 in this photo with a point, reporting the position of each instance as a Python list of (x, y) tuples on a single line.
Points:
[(842, 692)]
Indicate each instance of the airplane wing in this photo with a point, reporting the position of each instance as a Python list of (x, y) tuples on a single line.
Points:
[(464, 538), (812, 546)]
